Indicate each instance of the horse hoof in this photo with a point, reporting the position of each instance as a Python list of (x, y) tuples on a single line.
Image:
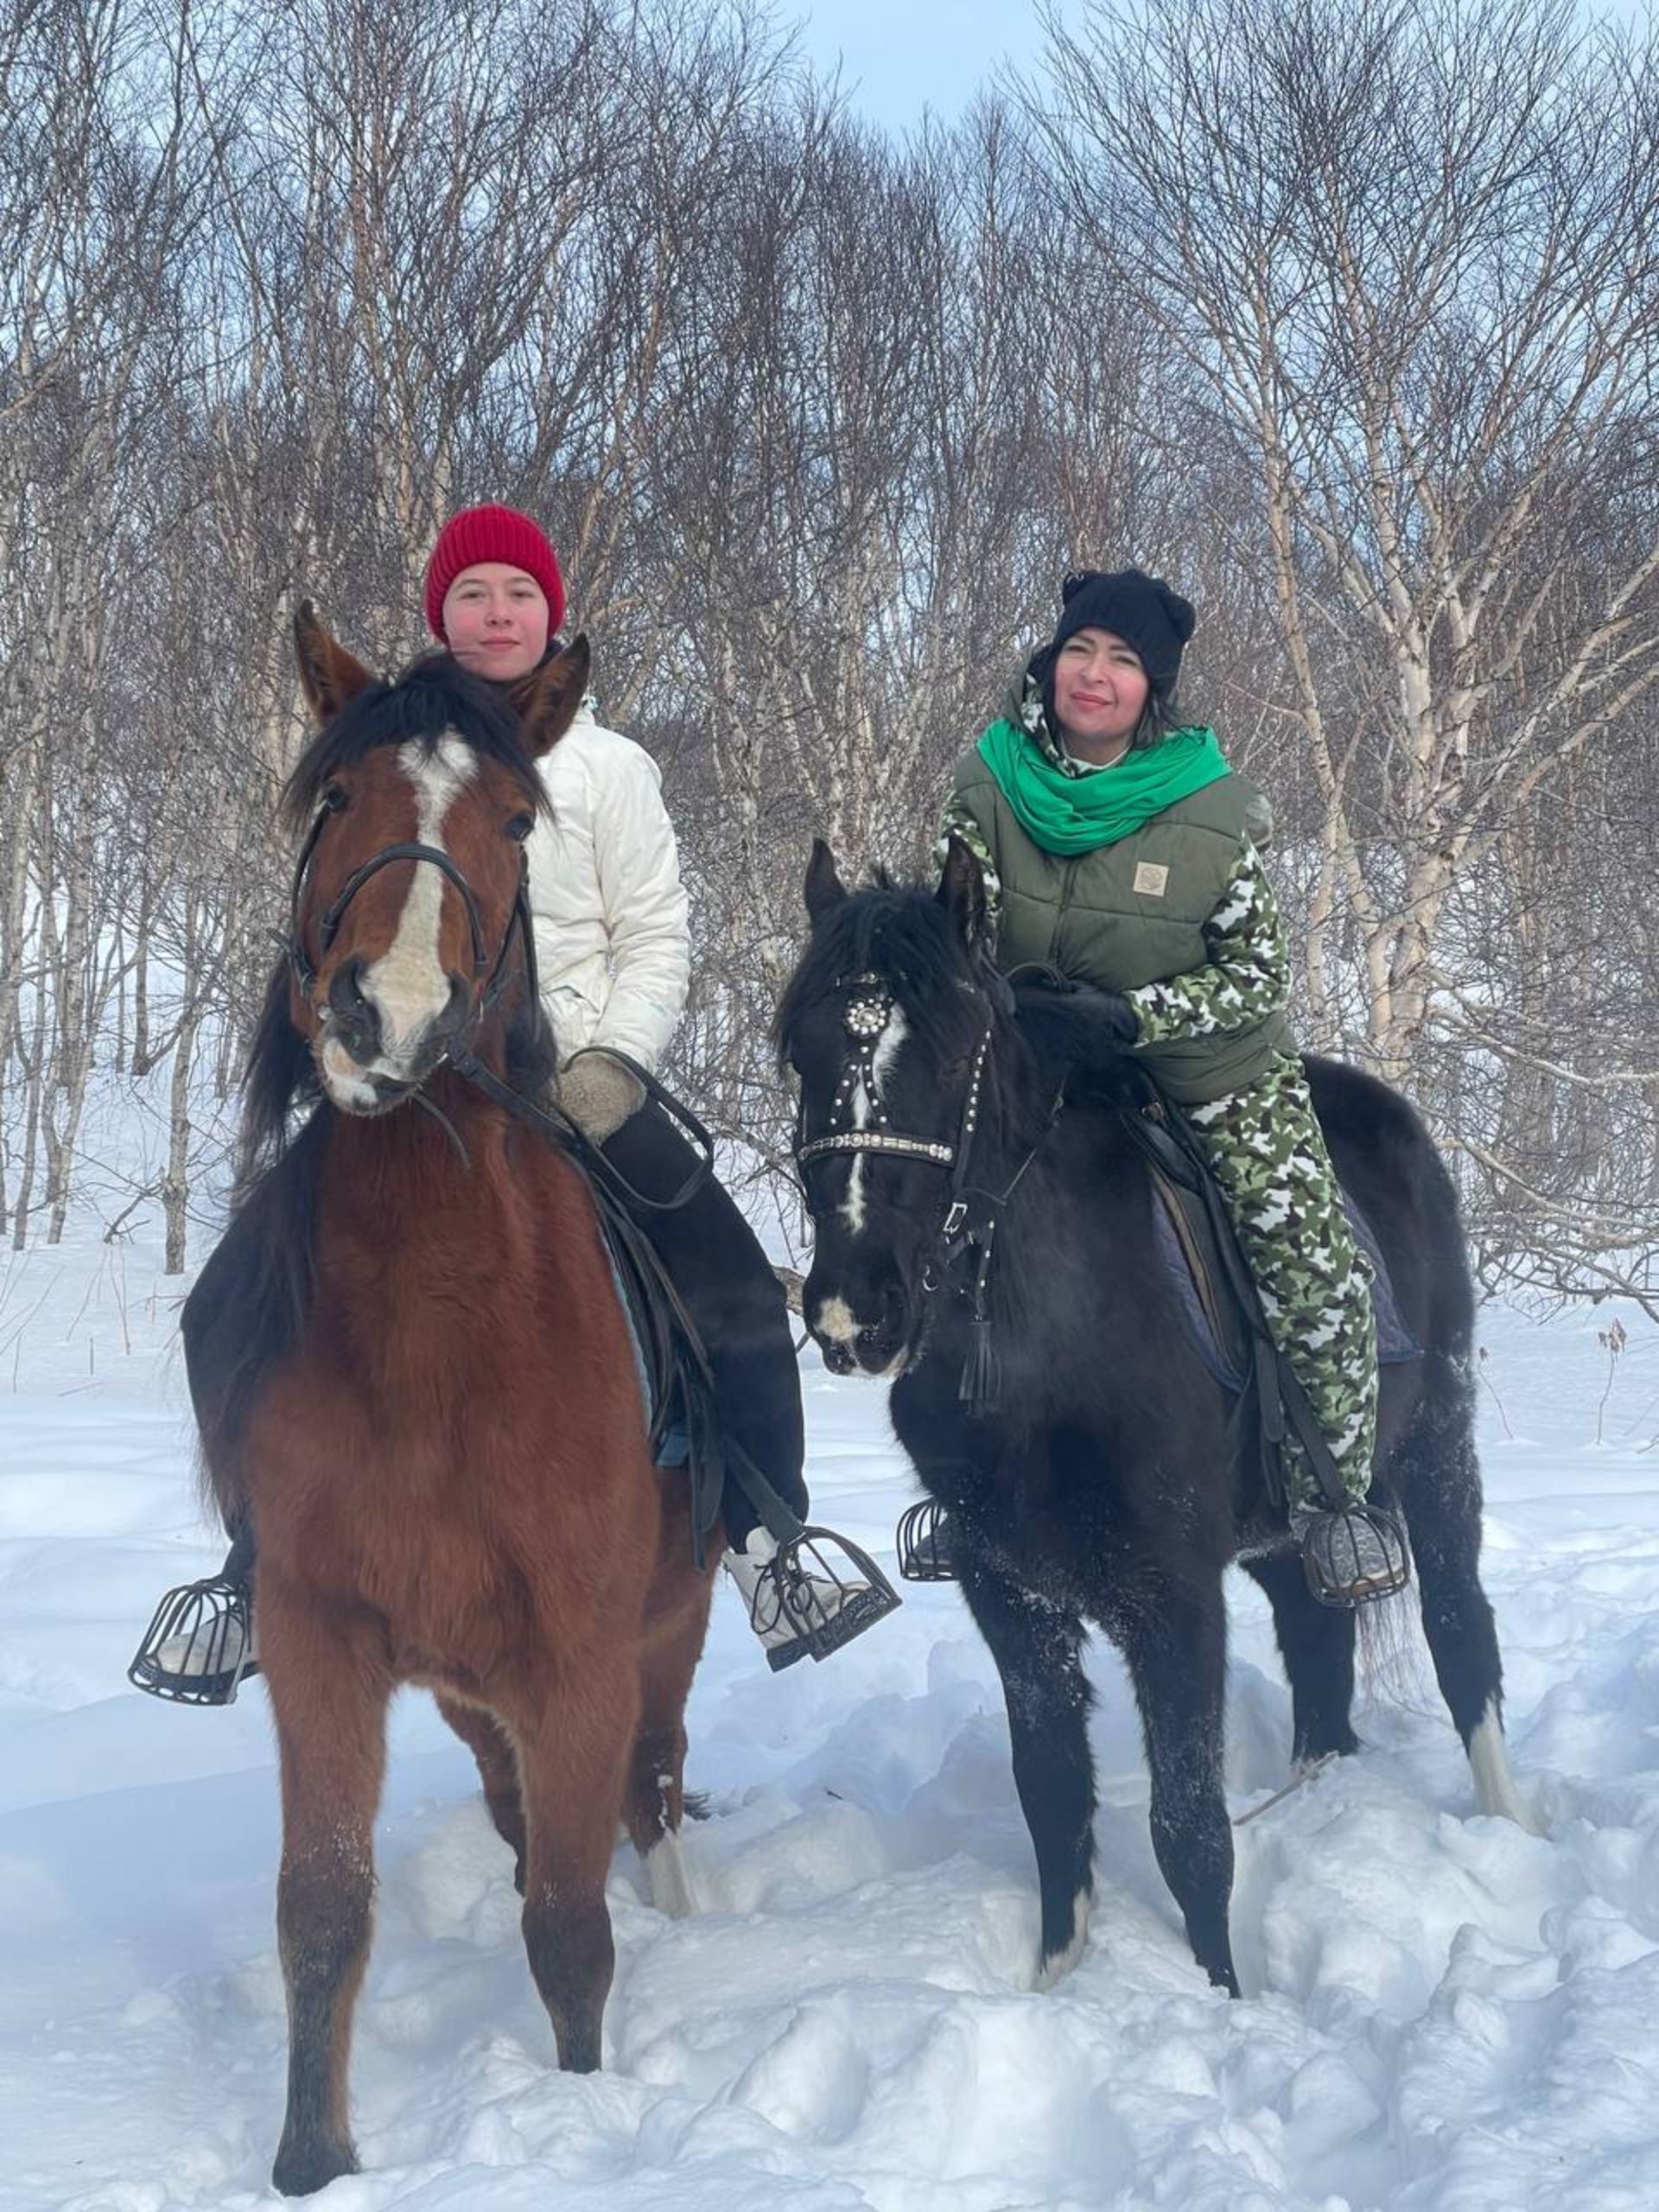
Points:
[(301, 2169)]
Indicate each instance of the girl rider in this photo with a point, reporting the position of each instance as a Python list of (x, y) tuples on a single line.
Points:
[(614, 952)]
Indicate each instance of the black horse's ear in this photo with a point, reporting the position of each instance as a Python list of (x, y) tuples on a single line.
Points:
[(545, 701), (328, 674), (961, 890), (823, 887)]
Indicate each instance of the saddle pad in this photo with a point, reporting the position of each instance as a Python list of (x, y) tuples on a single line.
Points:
[(1394, 1342), (676, 1442)]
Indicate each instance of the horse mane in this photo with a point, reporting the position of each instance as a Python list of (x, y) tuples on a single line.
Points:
[(905, 933), (432, 695), (235, 1331), (902, 933)]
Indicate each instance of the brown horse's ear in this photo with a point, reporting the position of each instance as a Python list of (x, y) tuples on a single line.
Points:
[(329, 675), (823, 888), (961, 890), (545, 701)]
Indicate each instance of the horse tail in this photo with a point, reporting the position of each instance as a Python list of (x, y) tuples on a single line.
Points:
[(1390, 1652)]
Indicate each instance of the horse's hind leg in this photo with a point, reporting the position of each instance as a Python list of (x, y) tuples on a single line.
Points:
[(655, 1804), (572, 1764), (1316, 1643), (1037, 1649), (1173, 1636), (1438, 1479), (330, 1702), (498, 1769)]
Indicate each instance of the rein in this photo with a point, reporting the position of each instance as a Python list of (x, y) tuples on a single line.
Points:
[(491, 976)]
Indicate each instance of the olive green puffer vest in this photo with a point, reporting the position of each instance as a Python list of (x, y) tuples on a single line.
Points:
[(1133, 912)]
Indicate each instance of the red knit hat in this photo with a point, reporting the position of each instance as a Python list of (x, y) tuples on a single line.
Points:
[(491, 534)]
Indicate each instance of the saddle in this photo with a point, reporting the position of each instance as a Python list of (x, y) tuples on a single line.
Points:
[(1215, 1292), (676, 1387)]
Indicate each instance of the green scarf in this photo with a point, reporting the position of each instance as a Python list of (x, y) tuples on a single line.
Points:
[(1078, 814)]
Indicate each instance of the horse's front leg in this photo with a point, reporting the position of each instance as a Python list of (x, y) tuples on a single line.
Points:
[(329, 1696), (573, 1762), (1173, 1631), (1036, 1648)]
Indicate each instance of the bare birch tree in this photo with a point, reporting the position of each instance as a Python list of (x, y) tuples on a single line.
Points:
[(1411, 252)]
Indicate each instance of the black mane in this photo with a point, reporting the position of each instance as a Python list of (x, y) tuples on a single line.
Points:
[(433, 697), (905, 935)]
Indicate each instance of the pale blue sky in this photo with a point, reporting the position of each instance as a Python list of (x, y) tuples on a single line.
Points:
[(899, 56)]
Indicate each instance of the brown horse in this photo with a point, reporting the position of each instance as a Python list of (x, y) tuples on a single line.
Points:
[(411, 1369)]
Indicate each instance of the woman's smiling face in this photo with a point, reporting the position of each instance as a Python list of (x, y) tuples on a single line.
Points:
[(1100, 691), (495, 620)]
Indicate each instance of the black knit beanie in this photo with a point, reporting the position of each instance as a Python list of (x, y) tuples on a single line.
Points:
[(1140, 609)]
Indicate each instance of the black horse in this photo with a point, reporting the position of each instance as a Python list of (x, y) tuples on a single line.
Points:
[(1105, 1484)]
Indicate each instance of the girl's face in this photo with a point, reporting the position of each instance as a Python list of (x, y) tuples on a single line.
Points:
[(495, 621), (1100, 694)]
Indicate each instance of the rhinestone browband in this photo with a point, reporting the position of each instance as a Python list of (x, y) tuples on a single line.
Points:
[(878, 1141)]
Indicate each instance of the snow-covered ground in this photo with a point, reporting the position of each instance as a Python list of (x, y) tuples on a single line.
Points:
[(1441, 2012)]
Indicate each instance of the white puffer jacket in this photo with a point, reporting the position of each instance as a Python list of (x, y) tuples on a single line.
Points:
[(613, 934)]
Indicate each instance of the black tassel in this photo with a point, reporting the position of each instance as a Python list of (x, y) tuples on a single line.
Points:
[(981, 1372)]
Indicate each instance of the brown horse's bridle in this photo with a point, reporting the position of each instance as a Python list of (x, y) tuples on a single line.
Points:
[(486, 974), (495, 977)]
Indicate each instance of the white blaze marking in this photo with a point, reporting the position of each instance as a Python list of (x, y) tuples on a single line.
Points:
[(1495, 1788), (852, 1206), (408, 984)]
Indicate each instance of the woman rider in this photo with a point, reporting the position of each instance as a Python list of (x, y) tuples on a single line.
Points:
[(614, 952), (1118, 847)]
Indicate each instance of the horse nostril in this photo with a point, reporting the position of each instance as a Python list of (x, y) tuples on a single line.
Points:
[(454, 1015), (345, 991), (355, 1020)]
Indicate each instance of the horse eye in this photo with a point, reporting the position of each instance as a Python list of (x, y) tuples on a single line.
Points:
[(334, 800), (520, 827)]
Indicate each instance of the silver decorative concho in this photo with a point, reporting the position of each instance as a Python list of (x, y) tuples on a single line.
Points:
[(865, 1018)]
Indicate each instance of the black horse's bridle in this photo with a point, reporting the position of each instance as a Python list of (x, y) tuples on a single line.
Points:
[(971, 1212), (865, 1018)]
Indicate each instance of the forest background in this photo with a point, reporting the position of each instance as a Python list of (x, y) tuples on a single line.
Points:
[(1342, 315)]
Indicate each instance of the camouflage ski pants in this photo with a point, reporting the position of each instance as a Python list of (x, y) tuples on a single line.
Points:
[(1269, 1154)]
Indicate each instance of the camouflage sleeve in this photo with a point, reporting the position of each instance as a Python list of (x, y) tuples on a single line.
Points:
[(959, 820), (1247, 976)]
